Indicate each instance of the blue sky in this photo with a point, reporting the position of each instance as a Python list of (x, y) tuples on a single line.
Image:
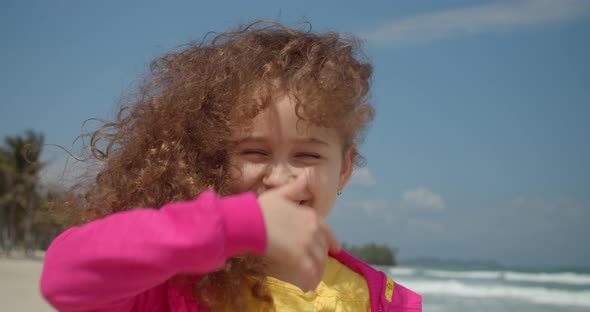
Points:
[(480, 146)]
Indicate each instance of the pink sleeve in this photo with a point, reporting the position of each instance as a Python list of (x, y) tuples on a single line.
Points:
[(105, 264)]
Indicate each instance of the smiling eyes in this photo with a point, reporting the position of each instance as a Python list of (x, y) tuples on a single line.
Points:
[(262, 153)]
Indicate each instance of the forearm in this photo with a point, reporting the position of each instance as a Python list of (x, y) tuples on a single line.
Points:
[(112, 260)]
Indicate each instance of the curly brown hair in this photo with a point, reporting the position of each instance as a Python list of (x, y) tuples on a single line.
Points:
[(170, 140)]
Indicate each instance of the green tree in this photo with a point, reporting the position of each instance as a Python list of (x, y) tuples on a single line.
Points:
[(373, 253), (4, 196), (8, 201), (19, 168)]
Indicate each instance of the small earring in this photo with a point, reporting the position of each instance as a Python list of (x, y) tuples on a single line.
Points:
[(339, 193)]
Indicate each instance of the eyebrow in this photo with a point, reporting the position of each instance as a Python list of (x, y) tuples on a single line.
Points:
[(311, 141), (260, 139)]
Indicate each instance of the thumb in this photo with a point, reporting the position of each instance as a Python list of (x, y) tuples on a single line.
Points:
[(294, 189)]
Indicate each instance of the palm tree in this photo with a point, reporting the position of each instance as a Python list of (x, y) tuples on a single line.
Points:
[(20, 171), (7, 204), (3, 198)]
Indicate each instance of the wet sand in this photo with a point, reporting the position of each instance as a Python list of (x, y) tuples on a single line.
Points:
[(19, 285)]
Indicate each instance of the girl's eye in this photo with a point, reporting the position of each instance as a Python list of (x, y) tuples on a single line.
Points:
[(254, 152), (308, 155)]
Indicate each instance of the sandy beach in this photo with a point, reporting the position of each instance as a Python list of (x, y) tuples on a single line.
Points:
[(19, 285)]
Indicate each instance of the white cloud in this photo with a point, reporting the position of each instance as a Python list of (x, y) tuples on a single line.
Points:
[(362, 177), (423, 197), (495, 17)]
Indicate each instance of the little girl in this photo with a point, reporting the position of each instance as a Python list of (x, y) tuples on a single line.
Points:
[(215, 183)]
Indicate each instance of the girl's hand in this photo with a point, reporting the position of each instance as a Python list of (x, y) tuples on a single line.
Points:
[(298, 240)]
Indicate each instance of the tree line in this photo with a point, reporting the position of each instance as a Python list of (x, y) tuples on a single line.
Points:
[(24, 221), (373, 253)]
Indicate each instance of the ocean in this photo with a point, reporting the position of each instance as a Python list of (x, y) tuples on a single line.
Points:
[(494, 290)]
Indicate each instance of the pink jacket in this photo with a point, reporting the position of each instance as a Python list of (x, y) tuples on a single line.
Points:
[(127, 261)]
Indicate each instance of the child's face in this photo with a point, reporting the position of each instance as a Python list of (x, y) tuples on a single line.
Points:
[(274, 151)]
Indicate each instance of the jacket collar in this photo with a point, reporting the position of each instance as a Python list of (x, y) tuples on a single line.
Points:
[(384, 293)]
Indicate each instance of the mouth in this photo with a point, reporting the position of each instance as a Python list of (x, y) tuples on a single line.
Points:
[(303, 202)]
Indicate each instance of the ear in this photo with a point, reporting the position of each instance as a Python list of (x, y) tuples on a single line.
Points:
[(347, 166)]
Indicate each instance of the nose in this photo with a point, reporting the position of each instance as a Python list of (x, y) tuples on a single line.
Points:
[(278, 174)]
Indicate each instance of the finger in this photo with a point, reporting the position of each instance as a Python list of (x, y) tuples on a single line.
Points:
[(321, 240), (310, 275), (300, 282), (313, 281), (319, 255), (333, 243), (294, 189)]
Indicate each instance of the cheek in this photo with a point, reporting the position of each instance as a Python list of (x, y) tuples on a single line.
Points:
[(245, 176), (324, 185)]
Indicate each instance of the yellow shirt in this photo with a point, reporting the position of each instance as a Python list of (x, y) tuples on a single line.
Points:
[(341, 289)]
